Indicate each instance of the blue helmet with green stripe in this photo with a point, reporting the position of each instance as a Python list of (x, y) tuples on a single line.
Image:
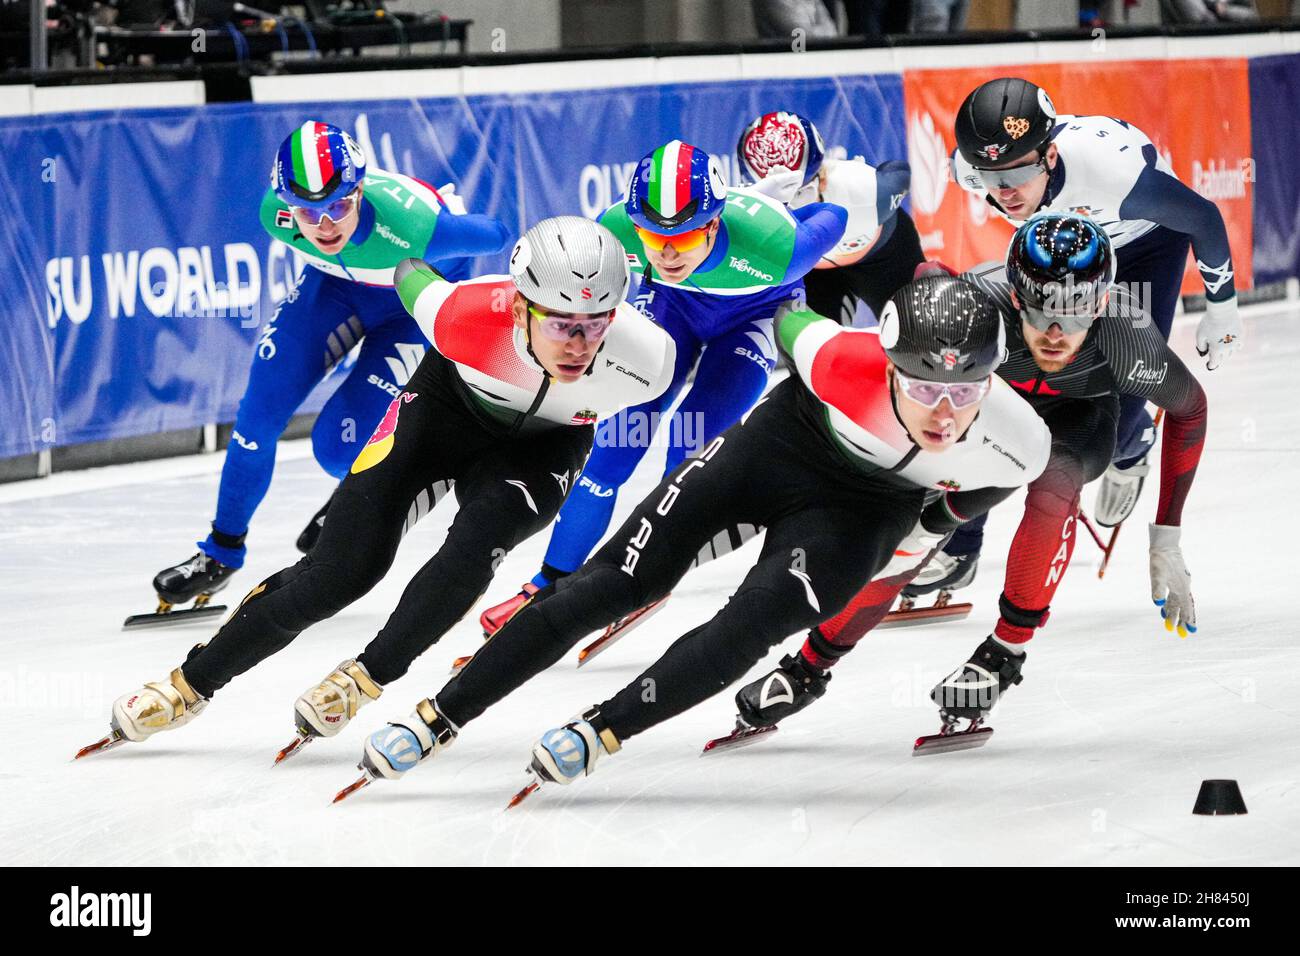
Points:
[(317, 165), (676, 189)]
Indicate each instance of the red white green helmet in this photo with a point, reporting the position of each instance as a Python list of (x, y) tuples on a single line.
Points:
[(317, 165), (676, 189)]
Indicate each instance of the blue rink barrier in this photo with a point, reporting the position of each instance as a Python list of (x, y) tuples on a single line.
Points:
[(1275, 145)]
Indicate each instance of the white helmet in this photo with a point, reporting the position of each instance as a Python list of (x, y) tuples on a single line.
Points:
[(570, 264)]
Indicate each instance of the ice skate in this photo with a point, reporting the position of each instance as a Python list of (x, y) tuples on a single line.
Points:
[(194, 580), (399, 746), (1119, 492), (564, 754), (494, 618), (325, 709), (161, 705), (944, 573), (763, 703), (970, 693)]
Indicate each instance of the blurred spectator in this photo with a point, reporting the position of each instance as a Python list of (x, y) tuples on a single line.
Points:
[(143, 14), (1208, 11), (778, 19), (15, 15), (872, 18), (939, 16)]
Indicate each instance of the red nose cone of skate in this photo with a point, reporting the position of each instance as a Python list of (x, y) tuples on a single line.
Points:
[(350, 789), (523, 795)]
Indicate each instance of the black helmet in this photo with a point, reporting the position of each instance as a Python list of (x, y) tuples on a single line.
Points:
[(1003, 120), (942, 329), (1061, 268)]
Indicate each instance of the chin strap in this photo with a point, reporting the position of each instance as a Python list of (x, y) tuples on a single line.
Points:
[(893, 403), (528, 344), (591, 367)]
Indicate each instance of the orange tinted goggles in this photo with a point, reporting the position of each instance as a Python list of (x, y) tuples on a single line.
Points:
[(682, 242)]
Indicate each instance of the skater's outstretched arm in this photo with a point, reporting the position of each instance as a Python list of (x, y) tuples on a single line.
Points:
[(1160, 197), (1145, 366), (820, 227)]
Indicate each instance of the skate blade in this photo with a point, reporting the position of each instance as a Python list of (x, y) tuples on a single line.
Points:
[(740, 737), (524, 794), (295, 747), (459, 663), (167, 618), (619, 630), (115, 739), (1107, 548), (362, 781), (926, 615), (941, 742)]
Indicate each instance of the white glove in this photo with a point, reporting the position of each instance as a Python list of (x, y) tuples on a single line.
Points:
[(1220, 332), (780, 184), (455, 205), (911, 551), (1171, 582)]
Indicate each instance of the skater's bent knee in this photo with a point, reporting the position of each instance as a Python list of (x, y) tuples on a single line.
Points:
[(591, 598), (331, 446)]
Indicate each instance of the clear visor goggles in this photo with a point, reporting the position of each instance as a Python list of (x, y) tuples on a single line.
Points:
[(930, 394), (560, 326)]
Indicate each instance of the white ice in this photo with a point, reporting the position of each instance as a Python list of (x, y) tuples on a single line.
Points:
[(1096, 758)]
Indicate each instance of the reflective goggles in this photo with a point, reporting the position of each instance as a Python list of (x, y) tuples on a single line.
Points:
[(1070, 323), (1077, 313), (1012, 178), (930, 394), (682, 242), (561, 326), (337, 211)]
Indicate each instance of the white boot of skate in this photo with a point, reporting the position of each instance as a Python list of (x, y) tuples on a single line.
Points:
[(1119, 492), (160, 705), (327, 707)]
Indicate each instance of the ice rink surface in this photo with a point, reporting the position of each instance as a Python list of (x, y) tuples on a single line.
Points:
[(1096, 758)]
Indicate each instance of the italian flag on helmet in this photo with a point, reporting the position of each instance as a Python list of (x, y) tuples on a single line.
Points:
[(676, 188), (317, 164)]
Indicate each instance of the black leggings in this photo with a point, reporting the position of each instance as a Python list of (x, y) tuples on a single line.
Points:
[(829, 530), (508, 489)]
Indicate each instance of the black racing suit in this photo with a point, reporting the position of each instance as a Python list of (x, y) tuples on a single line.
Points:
[(510, 479)]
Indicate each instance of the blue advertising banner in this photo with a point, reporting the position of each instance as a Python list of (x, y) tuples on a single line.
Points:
[(27, 414), (1275, 144), (579, 149), (141, 276)]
